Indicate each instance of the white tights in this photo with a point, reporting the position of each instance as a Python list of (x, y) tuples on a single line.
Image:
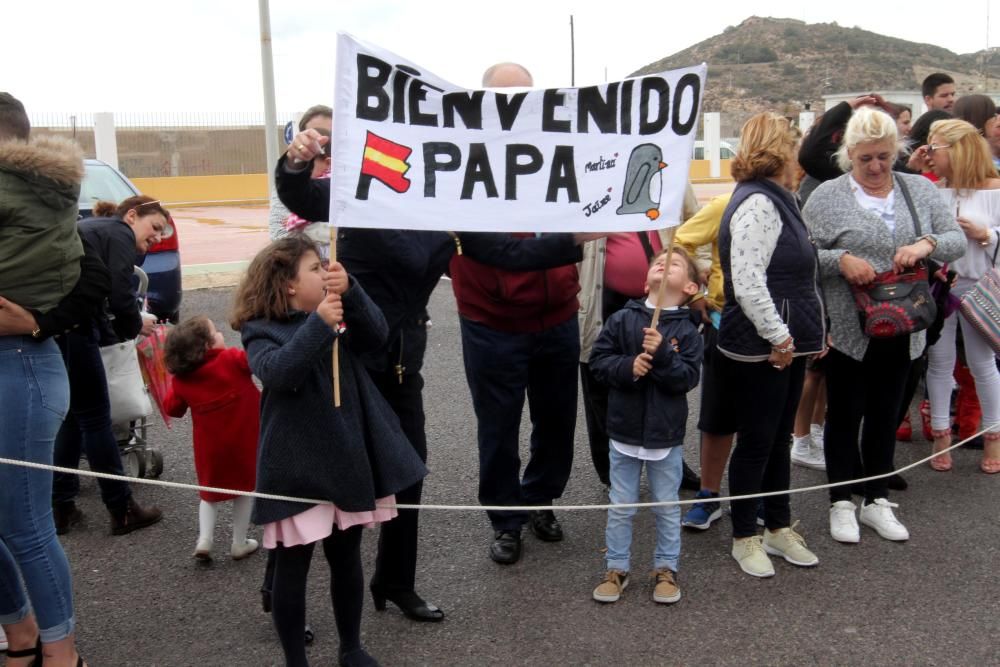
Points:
[(982, 363), (208, 514)]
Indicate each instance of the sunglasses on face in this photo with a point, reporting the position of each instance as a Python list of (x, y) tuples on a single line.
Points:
[(936, 147)]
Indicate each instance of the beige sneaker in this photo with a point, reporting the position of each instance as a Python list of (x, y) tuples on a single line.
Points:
[(666, 590), (749, 553), (609, 590), (787, 543)]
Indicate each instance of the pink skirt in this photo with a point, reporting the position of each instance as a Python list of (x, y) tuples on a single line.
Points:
[(317, 523)]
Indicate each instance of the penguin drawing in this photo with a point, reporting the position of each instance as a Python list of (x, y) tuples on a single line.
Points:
[(643, 182)]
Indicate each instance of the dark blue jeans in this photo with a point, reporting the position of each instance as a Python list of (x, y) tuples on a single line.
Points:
[(501, 368), (88, 425)]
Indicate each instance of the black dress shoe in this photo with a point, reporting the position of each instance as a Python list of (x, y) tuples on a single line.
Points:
[(412, 605), (506, 547), (690, 481), (544, 525)]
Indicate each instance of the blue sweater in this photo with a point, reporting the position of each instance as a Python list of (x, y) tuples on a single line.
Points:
[(652, 411), (308, 448)]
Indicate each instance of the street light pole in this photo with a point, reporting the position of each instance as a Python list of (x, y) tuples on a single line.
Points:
[(267, 75)]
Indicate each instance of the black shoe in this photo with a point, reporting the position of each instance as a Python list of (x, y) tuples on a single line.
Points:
[(690, 481), (544, 525), (357, 658), (310, 636), (412, 605), (506, 547), (897, 483), (66, 516), (133, 517)]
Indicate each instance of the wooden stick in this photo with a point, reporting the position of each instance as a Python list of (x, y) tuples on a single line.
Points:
[(336, 341), (661, 292)]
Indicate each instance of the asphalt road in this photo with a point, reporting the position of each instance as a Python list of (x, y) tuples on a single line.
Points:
[(142, 600)]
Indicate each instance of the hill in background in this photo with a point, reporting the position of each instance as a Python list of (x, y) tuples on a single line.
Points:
[(784, 64)]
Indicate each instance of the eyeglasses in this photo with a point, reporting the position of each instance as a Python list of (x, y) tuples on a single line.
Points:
[(936, 147)]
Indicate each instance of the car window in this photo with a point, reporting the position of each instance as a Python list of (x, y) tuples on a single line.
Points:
[(102, 183)]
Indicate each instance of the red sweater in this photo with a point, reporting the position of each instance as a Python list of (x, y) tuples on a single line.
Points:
[(514, 301)]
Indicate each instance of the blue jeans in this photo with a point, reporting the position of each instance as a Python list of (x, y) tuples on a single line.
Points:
[(664, 481), (34, 393), (88, 426), (501, 368)]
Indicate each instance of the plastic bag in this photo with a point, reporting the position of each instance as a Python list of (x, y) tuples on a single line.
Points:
[(154, 370)]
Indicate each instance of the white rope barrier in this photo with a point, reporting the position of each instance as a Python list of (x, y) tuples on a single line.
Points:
[(480, 508)]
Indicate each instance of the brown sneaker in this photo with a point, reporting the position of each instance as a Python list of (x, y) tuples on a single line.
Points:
[(666, 590), (66, 516), (133, 518), (609, 590)]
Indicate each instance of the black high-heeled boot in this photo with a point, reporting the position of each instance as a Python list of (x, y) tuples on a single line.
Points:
[(412, 605)]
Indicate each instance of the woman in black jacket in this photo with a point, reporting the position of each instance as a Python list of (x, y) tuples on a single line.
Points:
[(118, 237)]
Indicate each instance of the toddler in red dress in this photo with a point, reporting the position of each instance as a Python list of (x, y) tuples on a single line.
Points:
[(215, 382)]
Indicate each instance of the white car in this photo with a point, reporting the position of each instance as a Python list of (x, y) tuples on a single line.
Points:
[(726, 150)]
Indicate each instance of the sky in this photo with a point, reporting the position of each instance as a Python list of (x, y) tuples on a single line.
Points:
[(204, 55)]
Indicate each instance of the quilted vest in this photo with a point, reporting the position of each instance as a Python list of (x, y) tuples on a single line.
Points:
[(792, 279)]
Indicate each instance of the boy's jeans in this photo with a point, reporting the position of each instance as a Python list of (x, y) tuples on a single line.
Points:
[(664, 481)]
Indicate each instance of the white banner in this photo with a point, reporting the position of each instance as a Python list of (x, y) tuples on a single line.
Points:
[(412, 151)]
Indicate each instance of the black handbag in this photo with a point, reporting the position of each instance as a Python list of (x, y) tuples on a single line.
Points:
[(897, 304)]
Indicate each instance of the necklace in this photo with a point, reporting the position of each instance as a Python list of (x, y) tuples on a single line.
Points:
[(880, 191)]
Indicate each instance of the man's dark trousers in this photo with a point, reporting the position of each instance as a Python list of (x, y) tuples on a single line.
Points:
[(501, 368)]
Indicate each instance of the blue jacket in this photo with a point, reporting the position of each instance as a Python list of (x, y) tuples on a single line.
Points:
[(652, 411), (350, 455)]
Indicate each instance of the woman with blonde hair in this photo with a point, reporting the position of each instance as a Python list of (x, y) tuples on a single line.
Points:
[(960, 157), (772, 319), (863, 224)]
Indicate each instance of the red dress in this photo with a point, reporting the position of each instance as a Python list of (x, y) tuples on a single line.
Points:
[(225, 409)]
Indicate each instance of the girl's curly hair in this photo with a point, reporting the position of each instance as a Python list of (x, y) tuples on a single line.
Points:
[(187, 343)]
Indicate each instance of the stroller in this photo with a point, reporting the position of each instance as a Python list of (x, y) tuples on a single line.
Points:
[(139, 458)]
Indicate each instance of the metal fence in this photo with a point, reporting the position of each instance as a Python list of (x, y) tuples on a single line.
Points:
[(173, 144), (153, 144)]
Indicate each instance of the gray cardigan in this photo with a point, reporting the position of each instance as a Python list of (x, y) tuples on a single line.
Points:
[(838, 224)]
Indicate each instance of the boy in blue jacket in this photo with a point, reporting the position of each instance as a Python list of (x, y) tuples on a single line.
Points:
[(649, 372)]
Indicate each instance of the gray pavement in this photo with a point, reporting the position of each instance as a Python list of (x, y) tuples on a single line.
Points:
[(142, 600)]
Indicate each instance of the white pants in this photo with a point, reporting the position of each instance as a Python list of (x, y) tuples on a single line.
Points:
[(982, 363)]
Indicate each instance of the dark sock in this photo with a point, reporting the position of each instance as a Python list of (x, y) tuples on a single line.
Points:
[(347, 584)]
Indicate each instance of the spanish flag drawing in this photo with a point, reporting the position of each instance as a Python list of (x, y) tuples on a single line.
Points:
[(385, 161)]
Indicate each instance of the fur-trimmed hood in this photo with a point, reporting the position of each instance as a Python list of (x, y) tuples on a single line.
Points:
[(51, 167)]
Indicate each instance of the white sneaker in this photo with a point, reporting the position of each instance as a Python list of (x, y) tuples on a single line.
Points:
[(805, 454), (879, 516), (843, 523), (240, 551), (3, 641), (816, 433)]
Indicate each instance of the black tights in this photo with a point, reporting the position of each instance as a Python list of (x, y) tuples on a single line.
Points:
[(291, 569)]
